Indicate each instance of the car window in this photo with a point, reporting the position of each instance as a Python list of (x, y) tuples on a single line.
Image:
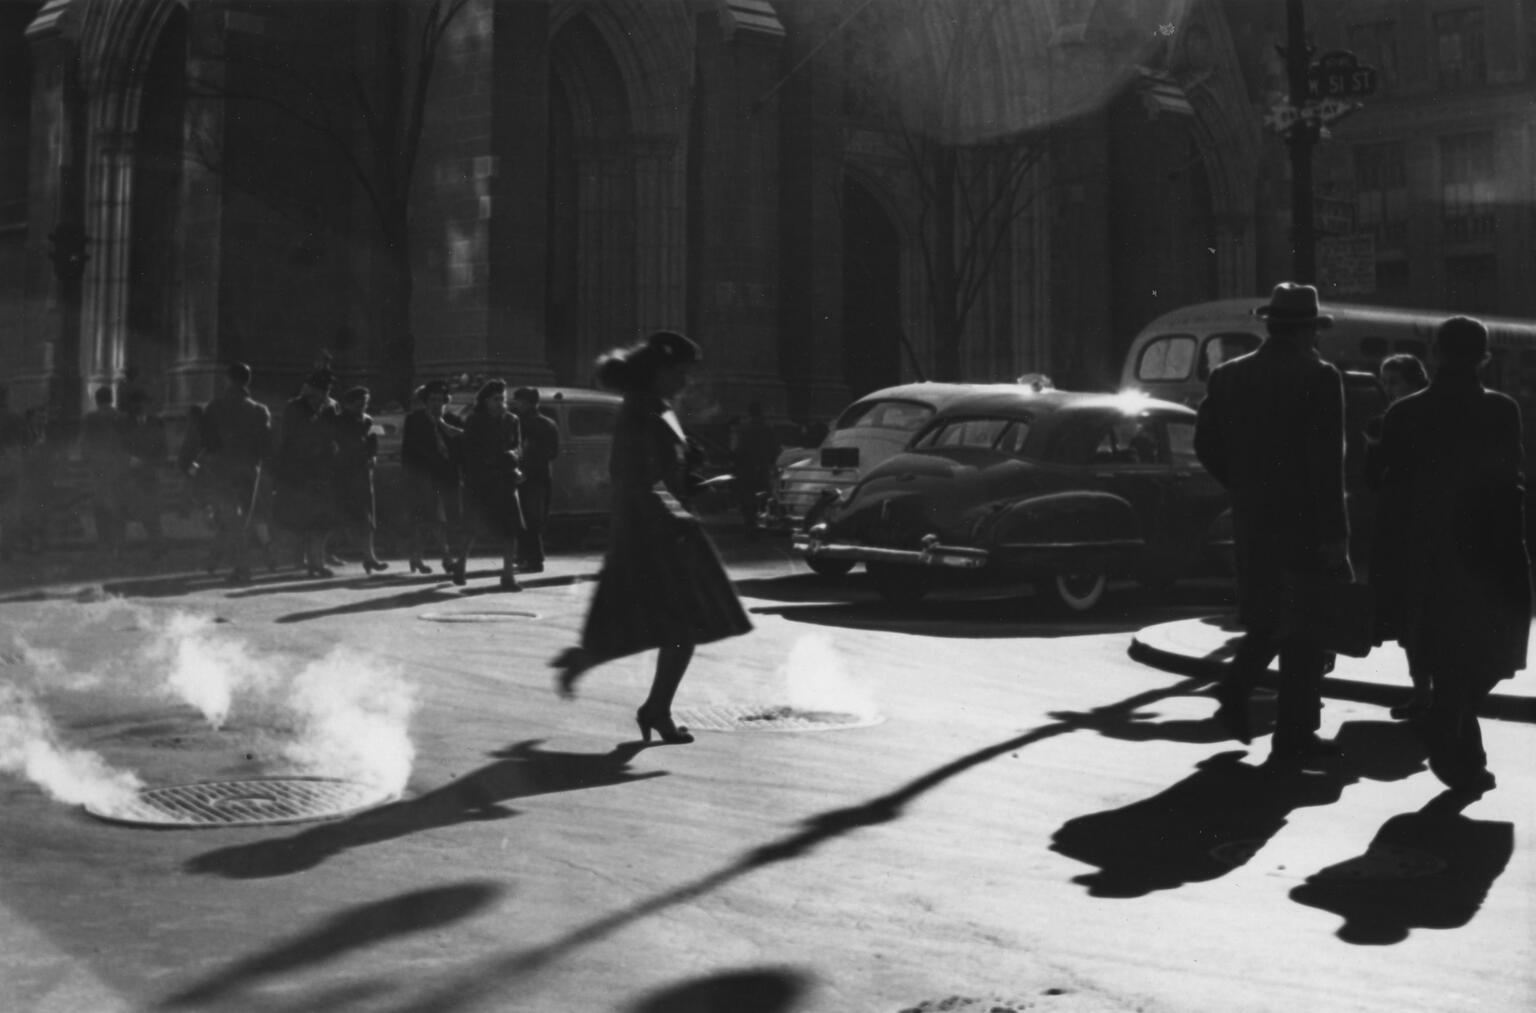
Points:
[(1014, 437), (1168, 357), (1181, 443), (1221, 348), (907, 416), (591, 420), (974, 433), (1126, 439)]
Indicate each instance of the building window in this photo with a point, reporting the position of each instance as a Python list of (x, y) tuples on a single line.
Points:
[(1460, 49), (1466, 172), (1472, 284), (1375, 45), (1381, 191)]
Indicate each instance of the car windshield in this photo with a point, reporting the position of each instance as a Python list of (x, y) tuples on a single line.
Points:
[(982, 433), (903, 416)]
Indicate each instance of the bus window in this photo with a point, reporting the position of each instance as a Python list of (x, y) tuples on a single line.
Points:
[(1410, 347), (1373, 348), (1167, 358), (1221, 348)]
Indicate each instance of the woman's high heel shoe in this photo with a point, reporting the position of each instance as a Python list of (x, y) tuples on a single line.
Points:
[(457, 571), (573, 663), (417, 566), (374, 565), (663, 726)]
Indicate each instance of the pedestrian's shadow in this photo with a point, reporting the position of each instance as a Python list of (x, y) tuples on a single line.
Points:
[(1221, 815), (758, 990), (519, 771), (439, 591), (1428, 869), (361, 926)]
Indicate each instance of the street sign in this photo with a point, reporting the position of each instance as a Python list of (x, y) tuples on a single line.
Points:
[(1340, 75)]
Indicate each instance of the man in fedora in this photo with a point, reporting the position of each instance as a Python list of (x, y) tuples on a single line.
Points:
[(1271, 429)]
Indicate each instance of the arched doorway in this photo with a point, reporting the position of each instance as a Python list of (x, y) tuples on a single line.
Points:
[(154, 287), (872, 339), (590, 291)]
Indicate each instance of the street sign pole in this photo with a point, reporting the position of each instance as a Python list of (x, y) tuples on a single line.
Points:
[(1301, 140)]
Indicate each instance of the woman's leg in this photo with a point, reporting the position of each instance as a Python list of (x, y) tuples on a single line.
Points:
[(671, 666)]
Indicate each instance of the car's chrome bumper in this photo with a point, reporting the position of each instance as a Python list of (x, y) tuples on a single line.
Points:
[(813, 545)]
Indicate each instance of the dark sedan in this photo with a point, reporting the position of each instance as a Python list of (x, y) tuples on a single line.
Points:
[(1065, 489)]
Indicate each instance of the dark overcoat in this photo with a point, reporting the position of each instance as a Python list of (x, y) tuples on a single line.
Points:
[(662, 583), (1271, 429), (429, 459), (1451, 476), (357, 450), (492, 450), (237, 439), (305, 499)]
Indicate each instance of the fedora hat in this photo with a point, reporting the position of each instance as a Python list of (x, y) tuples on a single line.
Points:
[(1293, 303)]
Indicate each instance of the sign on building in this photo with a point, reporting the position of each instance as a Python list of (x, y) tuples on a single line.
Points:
[(1346, 265)]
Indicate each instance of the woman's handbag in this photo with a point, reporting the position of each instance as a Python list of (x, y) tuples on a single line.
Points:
[(1336, 614)]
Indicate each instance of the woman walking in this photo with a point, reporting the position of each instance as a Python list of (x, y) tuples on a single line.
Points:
[(662, 585), (492, 445), (430, 457), (1401, 375), (357, 451)]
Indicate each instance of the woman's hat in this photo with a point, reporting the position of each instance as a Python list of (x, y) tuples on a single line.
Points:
[(1291, 303), (671, 347)]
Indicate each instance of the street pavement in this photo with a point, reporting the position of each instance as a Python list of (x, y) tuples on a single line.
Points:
[(1020, 812)]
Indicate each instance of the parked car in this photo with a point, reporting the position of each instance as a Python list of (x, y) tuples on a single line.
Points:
[(1063, 489), (581, 488), (867, 432)]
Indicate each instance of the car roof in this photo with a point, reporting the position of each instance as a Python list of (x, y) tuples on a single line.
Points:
[(1055, 405), (934, 392)]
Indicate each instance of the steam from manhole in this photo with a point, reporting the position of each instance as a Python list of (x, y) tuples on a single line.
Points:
[(478, 616), (771, 718), (258, 801)]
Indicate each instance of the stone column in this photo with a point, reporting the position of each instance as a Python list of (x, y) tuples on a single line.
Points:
[(661, 237)]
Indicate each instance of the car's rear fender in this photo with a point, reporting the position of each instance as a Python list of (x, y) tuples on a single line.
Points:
[(1073, 524)]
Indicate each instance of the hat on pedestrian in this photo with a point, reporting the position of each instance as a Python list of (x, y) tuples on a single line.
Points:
[(670, 347), (431, 387), (1291, 303), (355, 394), (321, 379)]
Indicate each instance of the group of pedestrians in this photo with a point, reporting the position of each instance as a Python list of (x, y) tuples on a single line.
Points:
[(486, 475), (1450, 566)]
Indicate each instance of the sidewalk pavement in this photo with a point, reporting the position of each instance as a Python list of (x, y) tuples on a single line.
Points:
[(1202, 646)]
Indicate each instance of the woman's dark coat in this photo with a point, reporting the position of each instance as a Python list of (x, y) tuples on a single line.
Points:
[(662, 583), (305, 500), (429, 457), (492, 448), (1454, 493), (357, 449)]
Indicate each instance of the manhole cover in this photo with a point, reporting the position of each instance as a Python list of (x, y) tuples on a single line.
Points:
[(1384, 861), (770, 718), (478, 616), (243, 803)]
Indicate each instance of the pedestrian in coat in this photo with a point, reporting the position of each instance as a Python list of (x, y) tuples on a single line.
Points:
[(429, 457), (305, 498), (1401, 375), (1271, 430), (492, 455), (144, 449), (754, 452), (101, 452), (1452, 457), (237, 439), (662, 584), (541, 445), (357, 453)]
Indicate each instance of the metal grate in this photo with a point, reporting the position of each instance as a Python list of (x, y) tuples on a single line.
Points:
[(246, 802), (477, 616), (770, 718)]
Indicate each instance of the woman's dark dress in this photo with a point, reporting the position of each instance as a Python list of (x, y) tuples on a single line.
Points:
[(490, 444), (357, 447), (431, 470), (662, 582), (306, 462)]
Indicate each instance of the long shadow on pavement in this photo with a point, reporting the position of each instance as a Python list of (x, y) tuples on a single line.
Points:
[(758, 990), (440, 591), (519, 771), (1426, 869), (352, 929), (1221, 815), (490, 974)]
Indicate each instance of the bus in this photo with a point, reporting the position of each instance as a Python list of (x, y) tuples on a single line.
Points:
[(1172, 356)]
